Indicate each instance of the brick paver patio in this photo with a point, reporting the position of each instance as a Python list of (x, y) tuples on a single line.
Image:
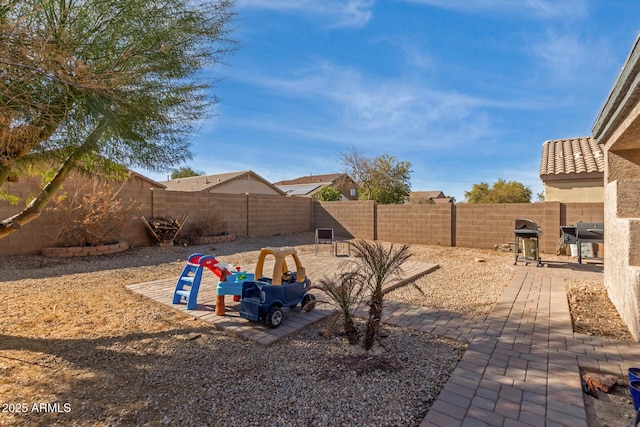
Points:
[(522, 365), (316, 267)]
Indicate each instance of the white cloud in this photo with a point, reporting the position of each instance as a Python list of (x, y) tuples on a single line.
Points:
[(346, 105), (334, 13), (537, 8), (570, 58)]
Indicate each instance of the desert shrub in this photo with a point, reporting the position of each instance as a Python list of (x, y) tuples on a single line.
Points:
[(345, 294), (376, 267), (91, 214), (213, 226)]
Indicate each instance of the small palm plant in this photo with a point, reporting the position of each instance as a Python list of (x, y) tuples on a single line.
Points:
[(377, 267), (345, 294)]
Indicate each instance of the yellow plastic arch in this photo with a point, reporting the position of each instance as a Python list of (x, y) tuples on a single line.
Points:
[(281, 264)]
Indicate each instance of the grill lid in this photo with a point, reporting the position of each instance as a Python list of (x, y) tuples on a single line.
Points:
[(527, 228)]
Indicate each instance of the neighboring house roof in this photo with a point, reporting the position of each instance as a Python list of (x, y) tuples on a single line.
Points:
[(210, 182), (155, 184), (312, 179), (572, 158), (437, 197), (442, 200), (426, 195), (300, 190), (310, 184)]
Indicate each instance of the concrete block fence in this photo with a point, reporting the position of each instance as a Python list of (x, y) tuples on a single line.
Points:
[(464, 225)]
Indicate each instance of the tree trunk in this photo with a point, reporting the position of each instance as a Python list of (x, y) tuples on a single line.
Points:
[(35, 207), (373, 323)]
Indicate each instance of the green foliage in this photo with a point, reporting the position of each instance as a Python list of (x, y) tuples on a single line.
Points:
[(98, 84), (328, 194), (383, 178), (185, 172), (376, 267), (345, 294), (8, 197), (501, 192)]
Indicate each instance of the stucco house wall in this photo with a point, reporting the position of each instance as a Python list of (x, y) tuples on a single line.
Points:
[(575, 191), (572, 170), (617, 127)]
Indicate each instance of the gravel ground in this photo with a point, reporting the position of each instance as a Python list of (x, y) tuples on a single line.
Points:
[(74, 339)]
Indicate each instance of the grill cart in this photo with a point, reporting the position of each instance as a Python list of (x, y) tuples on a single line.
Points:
[(588, 232), (527, 242)]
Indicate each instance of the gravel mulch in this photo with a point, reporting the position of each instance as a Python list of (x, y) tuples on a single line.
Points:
[(77, 348)]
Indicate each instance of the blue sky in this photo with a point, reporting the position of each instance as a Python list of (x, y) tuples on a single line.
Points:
[(467, 91)]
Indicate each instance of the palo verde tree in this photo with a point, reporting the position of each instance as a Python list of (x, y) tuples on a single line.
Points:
[(501, 192), (382, 178), (96, 85)]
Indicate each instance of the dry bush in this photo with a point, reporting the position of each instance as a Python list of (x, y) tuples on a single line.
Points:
[(214, 226), (90, 215)]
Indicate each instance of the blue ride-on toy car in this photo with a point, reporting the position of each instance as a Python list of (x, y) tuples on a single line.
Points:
[(264, 298)]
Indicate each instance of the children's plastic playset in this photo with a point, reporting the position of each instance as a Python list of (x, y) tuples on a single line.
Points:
[(260, 300)]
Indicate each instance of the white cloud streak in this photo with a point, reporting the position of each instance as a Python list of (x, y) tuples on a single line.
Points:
[(334, 13), (360, 109), (535, 8), (567, 57)]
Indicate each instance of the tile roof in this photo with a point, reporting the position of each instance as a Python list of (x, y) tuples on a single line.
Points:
[(571, 156)]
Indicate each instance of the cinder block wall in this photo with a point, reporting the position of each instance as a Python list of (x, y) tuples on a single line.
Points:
[(28, 239), (227, 208), (244, 215), (269, 215), (586, 212), (348, 219), (413, 223), (487, 225), (464, 225)]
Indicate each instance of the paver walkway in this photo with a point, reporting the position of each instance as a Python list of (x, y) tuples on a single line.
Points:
[(522, 365)]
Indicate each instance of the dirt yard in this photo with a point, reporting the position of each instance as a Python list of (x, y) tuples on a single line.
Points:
[(77, 348)]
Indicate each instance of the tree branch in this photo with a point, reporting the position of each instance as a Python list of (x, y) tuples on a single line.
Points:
[(35, 207)]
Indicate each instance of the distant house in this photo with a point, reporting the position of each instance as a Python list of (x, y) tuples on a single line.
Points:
[(423, 197), (572, 170), (229, 183), (307, 186)]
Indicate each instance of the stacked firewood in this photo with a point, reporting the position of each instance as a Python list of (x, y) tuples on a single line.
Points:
[(164, 230)]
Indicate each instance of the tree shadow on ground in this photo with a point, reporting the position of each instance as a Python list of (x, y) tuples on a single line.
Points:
[(103, 380)]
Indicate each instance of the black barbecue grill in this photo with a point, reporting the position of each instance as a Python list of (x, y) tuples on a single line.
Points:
[(527, 241), (588, 232)]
